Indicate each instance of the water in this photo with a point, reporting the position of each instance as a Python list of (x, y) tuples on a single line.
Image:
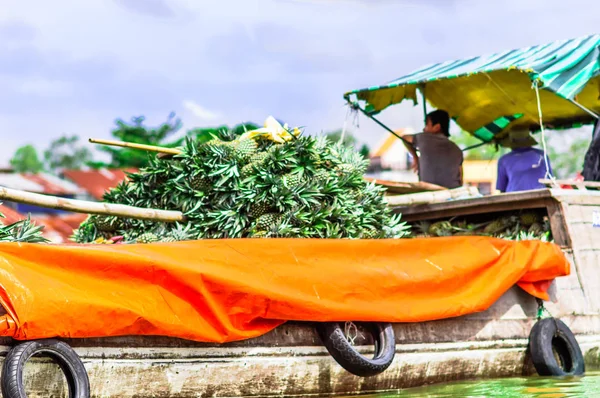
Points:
[(587, 386)]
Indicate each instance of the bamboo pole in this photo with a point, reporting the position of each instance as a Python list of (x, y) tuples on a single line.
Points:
[(84, 206), (431, 197), (152, 148)]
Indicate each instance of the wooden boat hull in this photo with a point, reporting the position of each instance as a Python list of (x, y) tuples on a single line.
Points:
[(292, 361)]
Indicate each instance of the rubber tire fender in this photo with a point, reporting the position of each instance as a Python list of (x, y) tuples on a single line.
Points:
[(549, 335), (332, 335), (12, 371)]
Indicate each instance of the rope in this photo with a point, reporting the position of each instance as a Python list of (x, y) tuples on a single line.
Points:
[(354, 121), (539, 106), (344, 126), (347, 330)]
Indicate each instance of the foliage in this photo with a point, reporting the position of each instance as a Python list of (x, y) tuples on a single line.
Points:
[(517, 225), (336, 136), (484, 152), (349, 140), (66, 153), (204, 134), (22, 231), (566, 150), (306, 187), (26, 160), (136, 132), (364, 151)]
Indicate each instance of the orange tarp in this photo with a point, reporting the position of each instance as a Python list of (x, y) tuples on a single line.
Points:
[(226, 290)]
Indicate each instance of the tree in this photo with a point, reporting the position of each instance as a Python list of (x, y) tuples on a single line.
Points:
[(336, 135), (204, 134), (136, 132), (26, 160), (567, 163), (484, 152), (66, 153), (365, 151)]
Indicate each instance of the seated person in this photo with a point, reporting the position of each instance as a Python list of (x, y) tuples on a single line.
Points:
[(523, 167), (440, 160)]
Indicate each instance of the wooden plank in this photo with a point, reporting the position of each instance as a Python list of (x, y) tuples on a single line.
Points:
[(589, 277), (586, 236), (402, 187), (431, 197), (494, 203), (582, 185), (84, 206), (581, 213), (558, 222), (576, 196)]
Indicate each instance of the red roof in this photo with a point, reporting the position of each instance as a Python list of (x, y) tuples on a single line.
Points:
[(60, 228), (11, 216), (51, 184), (97, 182)]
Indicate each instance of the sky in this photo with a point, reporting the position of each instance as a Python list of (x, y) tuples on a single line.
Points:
[(73, 66)]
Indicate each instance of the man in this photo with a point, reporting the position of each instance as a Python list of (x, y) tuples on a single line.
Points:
[(523, 167), (440, 161)]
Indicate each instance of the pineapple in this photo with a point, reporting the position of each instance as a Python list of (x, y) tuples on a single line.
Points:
[(224, 148), (200, 183), (462, 224), (423, 227), (529, 218), (258, 158), (244, 148), (104, 223), (258, 209), (267, 221), (259, 234), (535, 229), (495, 226), (321, 176), (147, 237), (440, 228), (292, 181), (247, 170), (370, 233), (346, 168), (178, 234)]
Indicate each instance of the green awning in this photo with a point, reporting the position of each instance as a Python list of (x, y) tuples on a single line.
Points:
[(480, 90)]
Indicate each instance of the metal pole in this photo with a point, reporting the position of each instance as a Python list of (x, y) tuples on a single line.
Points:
[(475, 146), (356, 106), (583, 108)]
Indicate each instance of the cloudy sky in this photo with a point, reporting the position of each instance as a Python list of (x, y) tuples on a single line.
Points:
[(73, 66)]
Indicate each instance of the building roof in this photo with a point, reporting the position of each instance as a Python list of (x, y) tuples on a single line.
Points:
[(97, 182), (389, 141), (53, 185), (18, 181), (10, 215)]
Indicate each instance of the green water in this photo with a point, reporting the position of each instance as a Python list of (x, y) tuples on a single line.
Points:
[(529, 387)]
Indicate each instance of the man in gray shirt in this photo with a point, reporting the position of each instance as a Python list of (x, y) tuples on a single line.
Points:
[(440, 160)]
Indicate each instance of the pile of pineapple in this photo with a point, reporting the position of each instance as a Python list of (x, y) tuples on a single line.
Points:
[(523, 225), (251, 186)]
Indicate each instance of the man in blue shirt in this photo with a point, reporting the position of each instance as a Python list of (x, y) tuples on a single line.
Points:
[(520, 169)]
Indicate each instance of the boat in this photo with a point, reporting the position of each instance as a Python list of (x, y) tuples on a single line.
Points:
[(343, 345)]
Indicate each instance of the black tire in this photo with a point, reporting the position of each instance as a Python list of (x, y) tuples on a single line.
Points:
[(332, 335), (67, 359), (551, 338)]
